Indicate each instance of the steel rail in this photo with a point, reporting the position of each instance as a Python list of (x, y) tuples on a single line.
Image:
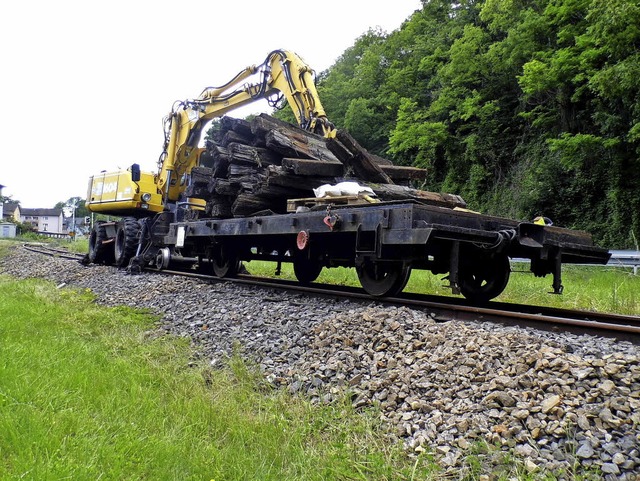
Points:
[(617, 326), (443, 309), (52, 252)]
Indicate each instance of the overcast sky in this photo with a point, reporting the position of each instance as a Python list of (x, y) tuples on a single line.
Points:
[(85, 84)]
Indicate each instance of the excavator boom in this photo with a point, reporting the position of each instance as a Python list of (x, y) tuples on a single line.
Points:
[(283, 74)]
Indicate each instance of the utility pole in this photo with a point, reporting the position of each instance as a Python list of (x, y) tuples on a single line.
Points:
[(73, 206)]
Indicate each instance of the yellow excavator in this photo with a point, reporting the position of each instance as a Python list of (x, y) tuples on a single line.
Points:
[(135, 195)]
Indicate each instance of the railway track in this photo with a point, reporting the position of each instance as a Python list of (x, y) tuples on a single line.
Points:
[(44, 249), (617, 326)]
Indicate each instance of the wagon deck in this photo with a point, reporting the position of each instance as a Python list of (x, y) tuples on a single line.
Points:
[(384, 241)]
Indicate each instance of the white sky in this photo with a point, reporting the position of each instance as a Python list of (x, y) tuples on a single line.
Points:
[(85, 84)]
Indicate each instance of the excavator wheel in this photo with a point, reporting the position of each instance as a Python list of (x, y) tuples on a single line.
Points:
[(127, 238), (100, 253)]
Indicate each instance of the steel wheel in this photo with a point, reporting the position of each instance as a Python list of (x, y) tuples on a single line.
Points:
[(224, 263), (383, 278), (99, 253), (127, 238), (484, 279), (306, 270)]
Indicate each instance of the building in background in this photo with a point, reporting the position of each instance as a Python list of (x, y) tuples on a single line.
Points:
[(43, 220), (7, 229), (11, 212)]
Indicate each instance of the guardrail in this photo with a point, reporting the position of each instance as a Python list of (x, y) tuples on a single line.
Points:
[(55, 235), (625, 259), (618, 259)]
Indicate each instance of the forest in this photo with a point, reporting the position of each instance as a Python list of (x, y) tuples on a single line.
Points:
[(522, 107)]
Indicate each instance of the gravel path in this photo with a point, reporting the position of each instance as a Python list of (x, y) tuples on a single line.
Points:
[(554, 402)]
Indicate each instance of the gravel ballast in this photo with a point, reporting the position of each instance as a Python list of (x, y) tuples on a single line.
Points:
[(554, 402)]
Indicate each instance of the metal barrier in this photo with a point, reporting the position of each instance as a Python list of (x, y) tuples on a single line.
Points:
[(625, 259), (618, 259), (54, 235)]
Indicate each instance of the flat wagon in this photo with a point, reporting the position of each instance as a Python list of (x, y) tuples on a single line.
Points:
[(383, 242)]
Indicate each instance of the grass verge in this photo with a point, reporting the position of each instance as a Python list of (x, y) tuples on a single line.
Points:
[(88, 392), (605, 289)]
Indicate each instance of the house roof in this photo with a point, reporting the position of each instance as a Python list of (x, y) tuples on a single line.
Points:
[(8, 208), (41, 212)]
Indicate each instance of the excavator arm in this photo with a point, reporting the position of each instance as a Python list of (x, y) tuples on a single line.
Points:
[(139, 194), (283, 73)]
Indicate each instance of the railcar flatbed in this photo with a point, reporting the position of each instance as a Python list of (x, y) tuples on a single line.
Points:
[(384, 242)]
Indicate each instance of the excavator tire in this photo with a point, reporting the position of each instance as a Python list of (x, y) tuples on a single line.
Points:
[(100, 253), (126, 243)]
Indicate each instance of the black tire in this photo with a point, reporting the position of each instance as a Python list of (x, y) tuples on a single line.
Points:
[(383, 278), (99, 252), (126, 243), (306, 270), (484, 279)]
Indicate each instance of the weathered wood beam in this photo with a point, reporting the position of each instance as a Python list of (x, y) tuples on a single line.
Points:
[(401, 172), (310, 167), (300, 144), (247, 204), (356, 158), (241, 126), (399, 192), (279, 176), (250, 155)]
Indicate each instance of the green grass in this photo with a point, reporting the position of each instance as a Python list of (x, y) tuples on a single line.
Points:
[(88, 392), (81, 246), (605, 289)]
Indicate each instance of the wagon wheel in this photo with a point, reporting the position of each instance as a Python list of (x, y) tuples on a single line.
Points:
[(224, 262), (484, 280), (99, 253), (383, 278), (306, 270), (127, 238)]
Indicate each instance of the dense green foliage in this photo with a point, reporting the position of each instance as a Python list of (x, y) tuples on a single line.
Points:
[(522, 107)]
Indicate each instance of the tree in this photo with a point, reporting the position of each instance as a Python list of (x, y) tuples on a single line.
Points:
[(68, 206), (581, 91), (523, 108), (8, 199)]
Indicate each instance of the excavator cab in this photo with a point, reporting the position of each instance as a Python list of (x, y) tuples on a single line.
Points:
[(129, 192)]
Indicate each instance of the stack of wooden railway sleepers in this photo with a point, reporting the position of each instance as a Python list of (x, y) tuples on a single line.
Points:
[(258, 165)]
